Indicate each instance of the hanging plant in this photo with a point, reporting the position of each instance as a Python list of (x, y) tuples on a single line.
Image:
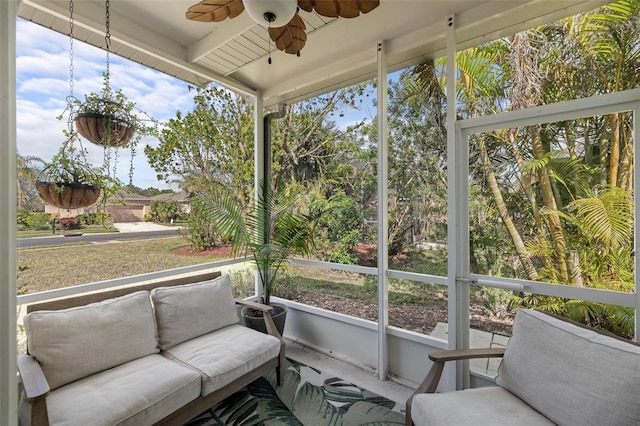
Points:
[(69, 182), (109, 119), (105, 121)]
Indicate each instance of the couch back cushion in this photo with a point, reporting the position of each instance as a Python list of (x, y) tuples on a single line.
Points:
[(188, 311), (74, 343), (571, 374)]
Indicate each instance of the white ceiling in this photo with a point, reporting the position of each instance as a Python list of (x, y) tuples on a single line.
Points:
[(338, 51)]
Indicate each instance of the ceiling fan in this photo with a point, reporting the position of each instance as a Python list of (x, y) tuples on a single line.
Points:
[(286, 27)]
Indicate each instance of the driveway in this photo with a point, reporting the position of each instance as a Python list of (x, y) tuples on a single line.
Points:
[(142, 227), (126, 231)]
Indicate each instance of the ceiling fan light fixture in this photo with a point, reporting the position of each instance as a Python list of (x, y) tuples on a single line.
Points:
[(271, 13)]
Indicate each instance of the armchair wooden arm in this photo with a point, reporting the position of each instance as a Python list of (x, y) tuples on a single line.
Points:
[(430, 383), (271, 329), (35, 388)]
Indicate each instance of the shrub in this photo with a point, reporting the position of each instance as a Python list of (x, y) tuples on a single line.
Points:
[(94, 218), (344, 252), (22, 216), (69, 223), (39, 221), (102, 218), (166, 211), (343, 226), (199, 232)]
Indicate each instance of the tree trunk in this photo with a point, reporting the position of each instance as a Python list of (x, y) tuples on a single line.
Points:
[(614, 149), (549, 202), (528, 266)]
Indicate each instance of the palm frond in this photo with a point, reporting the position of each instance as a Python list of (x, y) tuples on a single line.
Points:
[(608, 215), (271, 230)]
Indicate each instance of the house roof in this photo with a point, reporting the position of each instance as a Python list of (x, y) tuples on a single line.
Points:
[(338, 51), (172, 196), (126, 195)]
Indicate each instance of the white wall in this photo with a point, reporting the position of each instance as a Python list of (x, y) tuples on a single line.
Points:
[(355, 341)]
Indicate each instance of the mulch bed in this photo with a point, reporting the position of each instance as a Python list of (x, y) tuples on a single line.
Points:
[(418, 318)]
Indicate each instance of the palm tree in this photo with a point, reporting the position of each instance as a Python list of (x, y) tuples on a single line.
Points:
[(270, 230)]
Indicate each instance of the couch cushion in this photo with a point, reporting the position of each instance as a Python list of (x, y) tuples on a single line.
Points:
[(140, 392), (481, 406), (226, 354), (571, 374), (73, 343), (188, 311)]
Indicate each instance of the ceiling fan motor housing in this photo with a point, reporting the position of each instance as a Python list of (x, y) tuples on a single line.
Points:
[(271, 13)]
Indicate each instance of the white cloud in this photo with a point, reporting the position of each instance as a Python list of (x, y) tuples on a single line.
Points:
[(42, 66)]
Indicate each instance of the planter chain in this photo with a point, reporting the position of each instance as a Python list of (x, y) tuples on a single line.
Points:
[(107, 37), (70, 51)]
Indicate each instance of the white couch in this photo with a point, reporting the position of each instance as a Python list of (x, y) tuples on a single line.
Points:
[(552, 372), (158, 356)]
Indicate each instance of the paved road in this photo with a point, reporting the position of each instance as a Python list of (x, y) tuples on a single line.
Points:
[(110, 236)]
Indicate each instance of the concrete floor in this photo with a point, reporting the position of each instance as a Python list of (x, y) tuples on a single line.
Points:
[(358, 376)]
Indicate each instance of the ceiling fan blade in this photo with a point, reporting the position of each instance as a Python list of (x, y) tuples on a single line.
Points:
[(214, 10), (292, 37), (341, 8)]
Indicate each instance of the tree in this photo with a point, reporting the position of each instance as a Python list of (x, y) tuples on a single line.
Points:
[(148, 192), (210, 147), (27, 172)]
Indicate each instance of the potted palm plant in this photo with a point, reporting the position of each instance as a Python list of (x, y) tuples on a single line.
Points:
[(270, 231), (69, 182)]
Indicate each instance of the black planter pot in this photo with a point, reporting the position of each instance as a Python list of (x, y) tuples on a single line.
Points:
[(257, 323)]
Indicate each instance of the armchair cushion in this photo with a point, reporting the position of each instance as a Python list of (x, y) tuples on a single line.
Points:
[(76, 342), (573, 375), (482, 406), (188, 311)]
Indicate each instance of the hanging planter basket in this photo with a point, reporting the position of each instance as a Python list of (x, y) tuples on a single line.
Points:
[(68, 195), (68, 181), (104, 130)]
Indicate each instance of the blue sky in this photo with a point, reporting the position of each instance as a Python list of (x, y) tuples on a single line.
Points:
[(42, 70)]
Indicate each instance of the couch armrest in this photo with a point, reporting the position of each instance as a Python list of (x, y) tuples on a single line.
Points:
[(255, 305), (266, 314), (36, 388), (430, 383), (460, 354), (272, 330)]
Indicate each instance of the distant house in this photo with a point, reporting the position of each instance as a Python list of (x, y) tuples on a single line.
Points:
[(128, 207), (182, 197)]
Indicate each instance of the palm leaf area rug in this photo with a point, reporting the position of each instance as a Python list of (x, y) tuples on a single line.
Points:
[(308, 397)]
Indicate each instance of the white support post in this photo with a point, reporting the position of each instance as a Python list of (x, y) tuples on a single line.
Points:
[(258, 142), (458, 312), (636, 228), (383, 215), (8, 379)]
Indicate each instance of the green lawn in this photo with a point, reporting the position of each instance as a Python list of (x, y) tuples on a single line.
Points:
[(46, 268), (51, 267)]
